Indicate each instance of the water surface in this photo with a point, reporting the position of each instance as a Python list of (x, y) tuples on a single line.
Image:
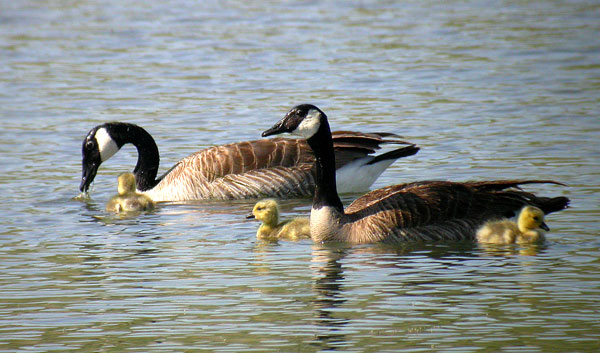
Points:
[(489, 90)]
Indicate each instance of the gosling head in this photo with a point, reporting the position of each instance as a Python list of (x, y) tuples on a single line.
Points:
[(303, 120), (98, 146), (126, 183), (266, 211), (530, 218)]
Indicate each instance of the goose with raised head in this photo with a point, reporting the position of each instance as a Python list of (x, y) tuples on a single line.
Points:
[(418, 211), (529, 228), (282, 168), (267, 211), (127, 199)]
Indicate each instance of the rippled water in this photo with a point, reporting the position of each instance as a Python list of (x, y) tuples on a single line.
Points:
[(488, 89)]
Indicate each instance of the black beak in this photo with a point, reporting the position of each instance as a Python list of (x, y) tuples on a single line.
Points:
[(278, 128), (250, 216), (87, 176), (545, 227)]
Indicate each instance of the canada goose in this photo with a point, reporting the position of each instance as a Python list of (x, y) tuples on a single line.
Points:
[(128, 199), (282, 168), (267, 211), (528, 229), (418, 211)]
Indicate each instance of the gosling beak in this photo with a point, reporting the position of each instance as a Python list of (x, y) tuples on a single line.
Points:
[(250, 216), (545, 227)]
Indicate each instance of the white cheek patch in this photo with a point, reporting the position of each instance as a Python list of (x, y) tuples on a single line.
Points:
[(309, 125), (106, 145)]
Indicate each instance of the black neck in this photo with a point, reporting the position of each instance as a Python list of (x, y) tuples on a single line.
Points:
[(148, 158), (326, 190)]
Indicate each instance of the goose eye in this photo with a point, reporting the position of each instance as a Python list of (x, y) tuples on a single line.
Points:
[(89, 145)]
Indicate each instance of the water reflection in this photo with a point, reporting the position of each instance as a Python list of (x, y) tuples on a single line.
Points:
[(459, 78), (512, 249), (334, 311), (327, 288)]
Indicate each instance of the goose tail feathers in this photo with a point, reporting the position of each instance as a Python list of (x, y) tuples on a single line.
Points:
[(497, 185), (553, 204), (395, 154), (547, 204)]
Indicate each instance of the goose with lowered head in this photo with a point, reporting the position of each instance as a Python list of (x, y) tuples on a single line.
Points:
[(418, 211), (282, 168)]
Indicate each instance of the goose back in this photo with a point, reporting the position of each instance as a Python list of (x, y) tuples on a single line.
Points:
[(434, 210), (252, 169), (281, 168)]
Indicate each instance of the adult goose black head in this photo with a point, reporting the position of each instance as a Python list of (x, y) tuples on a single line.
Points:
[(103, 141), (282, 168), (419, 211)]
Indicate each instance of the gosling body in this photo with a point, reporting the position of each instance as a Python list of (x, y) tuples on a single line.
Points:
[(267, 211), (127, 199), (530, 228)]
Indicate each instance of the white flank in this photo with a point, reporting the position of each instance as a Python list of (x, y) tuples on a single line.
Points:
[(172, 191), (106, 145), (159, 195), (309, 125), (358, 176)]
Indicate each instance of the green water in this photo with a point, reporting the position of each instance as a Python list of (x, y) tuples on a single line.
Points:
[(487, 89)]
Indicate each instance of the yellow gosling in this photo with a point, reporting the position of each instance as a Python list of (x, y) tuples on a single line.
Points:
[(267, 211), (128, 199), (528, 229)]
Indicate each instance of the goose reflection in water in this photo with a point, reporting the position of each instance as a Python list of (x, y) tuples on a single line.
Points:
[(328, 294)]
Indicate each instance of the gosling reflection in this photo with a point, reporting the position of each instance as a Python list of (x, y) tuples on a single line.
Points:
[(267, 211), (512, 249), (128, 200)]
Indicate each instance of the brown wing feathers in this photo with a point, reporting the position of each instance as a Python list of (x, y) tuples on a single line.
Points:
[(269, 167), (351, 145), (367, 140), (239, 158), (273, 182), (445, 210)]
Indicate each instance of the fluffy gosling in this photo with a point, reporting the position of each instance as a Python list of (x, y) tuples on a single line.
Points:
[(128, 200), (528, 229), (267, 211)]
